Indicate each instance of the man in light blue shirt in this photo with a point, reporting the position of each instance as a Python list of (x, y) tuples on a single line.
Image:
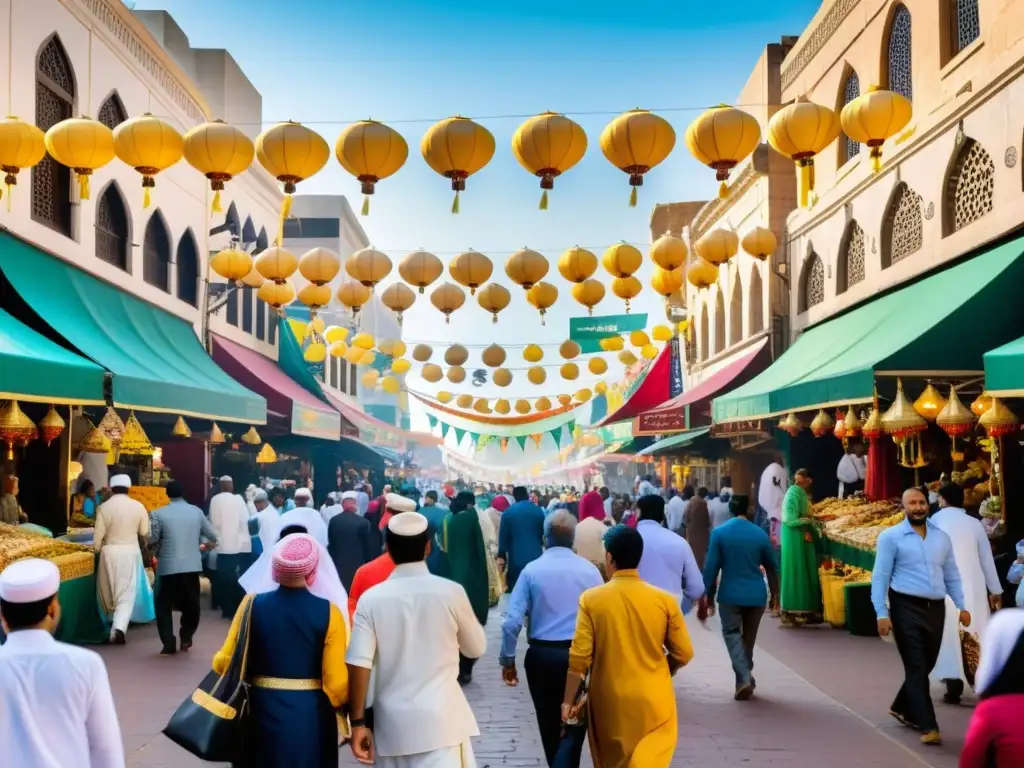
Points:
[(667, 561), (915, 567), (548, 591)]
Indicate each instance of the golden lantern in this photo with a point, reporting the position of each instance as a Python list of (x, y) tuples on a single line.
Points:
[(722, 138), (493, 356), (456, 374), (648, 352), (627, 358), (542, 404), (523, 407), (800, 131), (217, 436), (930, 403), (583, 395), (22, 145), (393, 348), (626, 288), (669, 252), (502, 407), (267, 455), (149, 145), (315, 353), (760, 243), (565, 400), (337, 348), (955, 419), (367, 357), (526, 268), (51, 426), (569, 349), (717, 246), (363, 341), (447, 298), (471, 269), (398, 297), (822, 424), (981, 404), (999, 420), (422, 352), (904, 425), (353, 355), (232, 264), (353, 295), (400, 365), (432, 373), (420, 269), (600, 388), (319, 265), (570, 371), (665, 283), (536, 375), (635, 142), (95, 441), (315, 297), (276, 295), (252, 437), (532, 353), (291, 153), (83, 145), (662, 333), (181, 429), (481, 405), (252, 279), (639, 338), (220, 152), (577, 264), (597, 365), (391, 385), (456, 148), (702, 274), (875, 117), (368, 266), (277, 264), (851, 424), (316, 326), (542, 296), (370, 151), (548, 145), (622, 260), (612, 344), (494, 298), (502, 377), (791, 424), (589, 293), (444, 397), (464, 401), (456, 354)]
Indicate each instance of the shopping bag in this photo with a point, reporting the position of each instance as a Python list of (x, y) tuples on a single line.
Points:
[(970, 651)]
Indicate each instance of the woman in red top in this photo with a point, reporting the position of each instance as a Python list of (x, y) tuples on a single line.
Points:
[(995, 738)]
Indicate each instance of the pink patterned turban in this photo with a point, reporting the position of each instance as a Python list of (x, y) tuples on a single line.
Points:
[(296, 555)]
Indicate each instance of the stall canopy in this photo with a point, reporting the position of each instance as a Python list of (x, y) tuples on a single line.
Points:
[(33, 368), (938, 325), (157, 361), (373, 431), (654, 390), (307, 416), (1004, 370), (676, 442)]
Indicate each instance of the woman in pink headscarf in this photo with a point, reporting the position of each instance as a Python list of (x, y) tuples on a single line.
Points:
[(589, 543), (498, 506)]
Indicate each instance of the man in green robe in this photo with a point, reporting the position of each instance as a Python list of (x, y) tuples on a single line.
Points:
[(801, 590)]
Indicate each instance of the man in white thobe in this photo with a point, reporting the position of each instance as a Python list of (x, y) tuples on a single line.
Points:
[(304, 516), (771, 490), (230, 519), (363, 498), (331, 508), (852, 470), (981, 585), (120, 522), (55, 698), (675, 510), (421, 716)]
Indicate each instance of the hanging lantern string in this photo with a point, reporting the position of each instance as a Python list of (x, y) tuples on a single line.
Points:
[(508, 252)]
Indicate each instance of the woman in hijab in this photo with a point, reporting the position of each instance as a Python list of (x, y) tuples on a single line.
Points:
[(589, 542), (498, 506), (995, 738)]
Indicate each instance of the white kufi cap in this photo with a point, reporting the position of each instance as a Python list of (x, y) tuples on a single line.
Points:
[(259, 495), (303, 492), (120, 481), (349, 495), (398, 503), (29, 581), (408, 524), (226, 479)]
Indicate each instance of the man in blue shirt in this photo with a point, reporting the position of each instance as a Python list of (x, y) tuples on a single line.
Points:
[(915, 567), (739, 550), (521, 535), (548, 591)]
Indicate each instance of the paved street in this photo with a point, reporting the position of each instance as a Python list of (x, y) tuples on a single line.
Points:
[(831, 712)]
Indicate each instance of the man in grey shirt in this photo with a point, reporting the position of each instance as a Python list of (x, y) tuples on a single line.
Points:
[(178, 533)]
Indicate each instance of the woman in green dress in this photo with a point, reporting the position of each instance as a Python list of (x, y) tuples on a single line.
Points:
[(463, 541), (801, 590)]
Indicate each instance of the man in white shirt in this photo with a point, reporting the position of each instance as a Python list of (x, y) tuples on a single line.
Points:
[(55, 698), (230, 519), (363, 499), (304, 516), (718, 508), (771, 490), (674, 512), (122, 525), (421, 716), (852, 470), (667, 561), (331, 508), (645, 487)]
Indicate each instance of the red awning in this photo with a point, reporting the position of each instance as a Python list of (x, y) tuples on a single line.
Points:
[(671, 416), (654, 390), (397, 435)]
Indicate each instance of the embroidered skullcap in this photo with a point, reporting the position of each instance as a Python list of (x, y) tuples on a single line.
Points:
[(408, 524), (260, 495), (226, 479), (296, 555), (398, 503), (29, 581), (120, 481)]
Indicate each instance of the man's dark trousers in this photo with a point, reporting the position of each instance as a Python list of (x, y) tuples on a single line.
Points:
[(546, 665), (917, 628), (177, 591)]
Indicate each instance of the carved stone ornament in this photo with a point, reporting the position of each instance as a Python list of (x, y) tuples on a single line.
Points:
[(1010, 157), (929, 211)]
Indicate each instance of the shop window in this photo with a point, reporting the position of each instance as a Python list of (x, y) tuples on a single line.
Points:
[(965, 26), (112, 112), (156, 253), (755, 300), (848, 148), (812, 283), (851, 258), (719, 321), (187, 266), (113, 233), (261, 242), (970, 187), (261, 320), (248, 233), (736, 314), (705, 346), (899, 58), (55, 101), (247, 308), (902, 226), (232, 306)]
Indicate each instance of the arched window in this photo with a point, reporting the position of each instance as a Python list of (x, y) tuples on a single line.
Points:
[(848, 148), (156, 253), (736, 314), (755, 300), (852, 254), (234, 223), (248, 295), (261, 242), (705, 341), (812, 283), (188, 269), (965, 26), (261, 320), (112, 112), (970, 187), (232, 313), (899, 59), (902, 225), (248, 232), (113, 230), (719, 321), (55, 101)]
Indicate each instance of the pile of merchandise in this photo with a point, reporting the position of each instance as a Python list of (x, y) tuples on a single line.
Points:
[(856, 521), (73, 560)]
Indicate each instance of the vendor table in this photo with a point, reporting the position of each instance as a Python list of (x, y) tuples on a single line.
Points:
[(81, 622), (857, 557)]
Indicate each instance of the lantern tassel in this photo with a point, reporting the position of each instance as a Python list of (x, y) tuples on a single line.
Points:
[(876, 159), (146, 199), (366, 206), (544, 201), (723, 190), (632, 198), (286, 209), (215, 208), (8, 197), (455, 203), (804, 182), (83, 186)]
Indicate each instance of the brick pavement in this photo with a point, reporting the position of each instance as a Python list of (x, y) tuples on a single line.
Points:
[(788, 722)]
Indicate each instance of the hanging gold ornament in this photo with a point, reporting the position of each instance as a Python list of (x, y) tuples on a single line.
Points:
[(627, 288), (669, 252), (369, 266), (291, 153), (493, 356), (456, 148), (999, 420), (216, 436), (981, 404), (569, 349), (421, 353), (51, 426), (456, 374), (588, 293), (526, 268), (370, 151), (420, 269), (471, 269), (635, 142), (220, 152), (502, 377), (760, 243), (15, 427), (822, 424), (398, 297), (149, 145), (577, 264), (267, 455), (548, 145), (93, 442), (82, 144), (717, 246), (456, 354), (353, 295), (873, 118), (22, 145), (432, 372), (930, 403), (800, 131), (494, 298), (252, 437), (955, 419), (721, 138), (791, 424), (851, 424), (542, 296), (447, 298), (135, 442)]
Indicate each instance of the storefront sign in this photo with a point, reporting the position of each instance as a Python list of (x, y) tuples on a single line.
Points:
[(588, 331), (755, 428), (310, 422), (660, 422)]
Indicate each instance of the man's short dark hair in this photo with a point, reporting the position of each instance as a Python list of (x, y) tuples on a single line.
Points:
[(119, 490), (407, 549), (688, 492), (605, 493), (24, 615), (702, 492), (952, 494), (625, 546), (804, 472), (519, 493), (432, 495), (174, 489), (651, 508), (288, 530), (278, 492), (726, 481)]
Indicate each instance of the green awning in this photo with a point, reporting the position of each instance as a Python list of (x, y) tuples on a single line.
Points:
[(677, 442), (33, 368), (1004, 370), (940, 324), (157, 361)]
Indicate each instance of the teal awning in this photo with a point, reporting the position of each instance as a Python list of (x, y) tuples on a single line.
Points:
[(676, 442), (33, 368), (937, 325), (1004, 370), (157, 361)]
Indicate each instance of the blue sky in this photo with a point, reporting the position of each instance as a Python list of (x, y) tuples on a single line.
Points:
[(410, 62)]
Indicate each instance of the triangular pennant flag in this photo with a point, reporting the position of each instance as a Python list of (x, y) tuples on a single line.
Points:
[(521, 439), (474, 438), (459, 434), (536, 439), (504, 444), (445, 426), (432, 420), (556, 433)]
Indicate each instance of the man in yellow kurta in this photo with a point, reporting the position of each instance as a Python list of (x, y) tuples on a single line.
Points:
[(623, 630)]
